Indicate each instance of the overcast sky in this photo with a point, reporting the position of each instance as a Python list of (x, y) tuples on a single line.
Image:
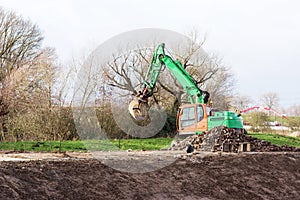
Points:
[(258, 39)]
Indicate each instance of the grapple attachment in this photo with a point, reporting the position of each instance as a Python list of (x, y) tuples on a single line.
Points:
[(138, 109)]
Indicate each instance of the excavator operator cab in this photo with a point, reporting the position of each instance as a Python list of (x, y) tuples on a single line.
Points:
[(192, 118)]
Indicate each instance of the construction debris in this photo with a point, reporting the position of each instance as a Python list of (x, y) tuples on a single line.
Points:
[(223, 139)]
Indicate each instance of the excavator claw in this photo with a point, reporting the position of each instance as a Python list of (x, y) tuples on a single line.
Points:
[(138, 109)]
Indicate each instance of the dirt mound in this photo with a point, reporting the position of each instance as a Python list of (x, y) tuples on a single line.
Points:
[(219, 138), (216, 176)]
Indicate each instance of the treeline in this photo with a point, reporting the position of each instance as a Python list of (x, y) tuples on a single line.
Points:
[(31, 107), (262, 121), (110, 127), (33, 96)]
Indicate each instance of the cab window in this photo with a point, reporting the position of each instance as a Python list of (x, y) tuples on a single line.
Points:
[(208, 111), (188, 116), (200, 113)]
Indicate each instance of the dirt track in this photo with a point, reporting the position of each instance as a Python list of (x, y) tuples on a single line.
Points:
[(214, 176)]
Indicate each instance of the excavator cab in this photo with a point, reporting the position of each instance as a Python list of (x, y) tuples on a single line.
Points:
[(192, 119)]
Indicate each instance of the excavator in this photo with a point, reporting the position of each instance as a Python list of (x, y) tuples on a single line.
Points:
[(194, 118)]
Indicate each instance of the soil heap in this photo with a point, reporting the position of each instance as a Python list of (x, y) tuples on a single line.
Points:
[(224, 139)]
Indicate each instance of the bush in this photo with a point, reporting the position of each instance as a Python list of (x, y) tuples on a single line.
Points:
[(294, 124), (258, 121), (41, 124)]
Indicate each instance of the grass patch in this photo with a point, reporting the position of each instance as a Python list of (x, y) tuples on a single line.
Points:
[(277, 139), (124, 144), (93, 145), (46, 146), (144, 144)]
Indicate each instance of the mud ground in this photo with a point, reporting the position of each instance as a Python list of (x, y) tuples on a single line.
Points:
[(209, 176)]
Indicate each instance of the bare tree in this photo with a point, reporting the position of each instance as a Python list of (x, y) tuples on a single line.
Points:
[(270, 99), (32, 96), (294, 110), (28, 94), (242, 102), (37, 108), (20, 44), (123, 70)]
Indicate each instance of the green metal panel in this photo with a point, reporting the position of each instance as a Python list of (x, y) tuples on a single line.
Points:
[(154, 69), (225, 118), (186, 81)]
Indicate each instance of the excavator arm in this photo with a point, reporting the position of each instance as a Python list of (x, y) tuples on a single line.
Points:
[(138, 107)]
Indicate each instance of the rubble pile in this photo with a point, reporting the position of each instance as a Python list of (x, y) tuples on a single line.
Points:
[(227, 140)]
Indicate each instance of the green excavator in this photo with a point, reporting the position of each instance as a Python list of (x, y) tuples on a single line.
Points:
[(193, 118)]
